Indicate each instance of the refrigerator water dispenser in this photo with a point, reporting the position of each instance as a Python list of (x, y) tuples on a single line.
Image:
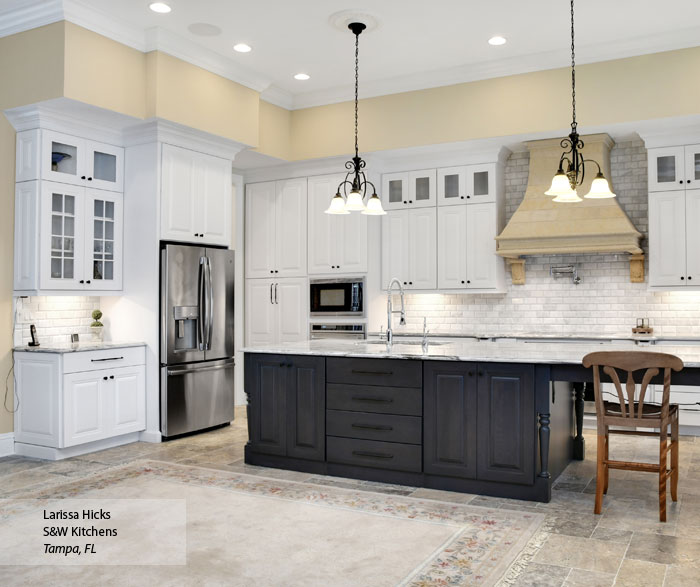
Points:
[(185, 327)]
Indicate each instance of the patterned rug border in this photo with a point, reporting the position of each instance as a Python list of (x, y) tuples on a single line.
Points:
[(479, 554)]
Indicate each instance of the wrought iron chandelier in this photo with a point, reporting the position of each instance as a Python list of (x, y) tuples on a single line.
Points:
[(353, 201), (565, 182)]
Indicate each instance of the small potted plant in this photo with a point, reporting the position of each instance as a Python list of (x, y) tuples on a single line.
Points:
[(97, 327)]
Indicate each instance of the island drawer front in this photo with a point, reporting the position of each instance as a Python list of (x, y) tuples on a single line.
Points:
[(386, 372), (406, 429), (402, 401), (372, 453), (80, 361)]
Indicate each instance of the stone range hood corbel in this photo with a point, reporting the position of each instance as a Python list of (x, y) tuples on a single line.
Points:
[(541, 226)]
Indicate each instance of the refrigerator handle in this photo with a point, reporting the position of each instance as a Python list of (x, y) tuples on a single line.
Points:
[(210, 306), (201, 302)]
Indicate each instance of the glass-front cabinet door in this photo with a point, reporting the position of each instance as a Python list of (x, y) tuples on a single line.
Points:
[(103, 240), (421, 188), (666, 169), (692, 166), (394, 191), (62, 158), (61, 236), (481, 183), (451, 185), (104, 166)]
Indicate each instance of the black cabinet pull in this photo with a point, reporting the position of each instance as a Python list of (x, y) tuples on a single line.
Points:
[(681, 181), (372, 427), (372, 372), (690, 277), (276, 271), (105, 378), (410, 201), (378, 400), (107, 359), (462, 197), (405, 202), (682, 278), (481, 373), (111, 376), (687, 181), (463, 281), (88, 281), (89, 178), (372, 455), (468, 281), (470, 373), (82, 281), (468, 197), (82, 177), (410, 283)]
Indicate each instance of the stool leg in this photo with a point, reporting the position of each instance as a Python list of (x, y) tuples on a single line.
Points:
[(607, 456), (663, 464), (600, 475), (674, 459)]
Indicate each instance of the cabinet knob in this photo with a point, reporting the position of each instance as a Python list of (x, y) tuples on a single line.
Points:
[(468, 281), (688, 181), (468, 197), (405, 283), (89, 178), (410, 283), (470, 373), (462, 197), (271, 271), (276, 271), (481, 373), (410, 201), (196, 234), (105, 378), (405, 202), (682, 278), (111, 376), (202, 235), (88, 281), (82, 177), (690, 277), (338, 267), (463, 281), (681, 181), (82, 281)]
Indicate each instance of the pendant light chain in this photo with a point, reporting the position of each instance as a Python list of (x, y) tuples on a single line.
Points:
[(357, 77), (573, 72)]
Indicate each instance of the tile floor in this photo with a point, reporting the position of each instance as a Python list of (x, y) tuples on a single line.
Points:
[(626, 545)]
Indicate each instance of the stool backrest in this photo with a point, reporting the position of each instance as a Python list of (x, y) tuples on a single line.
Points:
[(631, 361)]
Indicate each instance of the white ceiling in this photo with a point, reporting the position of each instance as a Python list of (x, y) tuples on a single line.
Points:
[(416, 45)]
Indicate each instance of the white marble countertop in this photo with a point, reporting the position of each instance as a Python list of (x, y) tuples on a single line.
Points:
[(543, 336), (509, 351), (76, 347)]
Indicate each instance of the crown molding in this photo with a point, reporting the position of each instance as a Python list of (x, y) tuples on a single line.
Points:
[(29, 14), (83, 14), (278, 97), (683, 130)]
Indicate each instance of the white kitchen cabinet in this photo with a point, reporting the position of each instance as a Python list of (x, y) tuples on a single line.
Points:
[(67, 238), (669, 230), (394, 192), (277, 310), (452, 247), (674, 168), (692, 237), (68, 400), (413, 189), (276, 229), (484, 267), (409, 248), (53, 156), (466, 184), (337, 243), (195, 197)]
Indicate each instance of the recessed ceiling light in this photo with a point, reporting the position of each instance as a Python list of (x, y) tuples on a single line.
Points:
[(159, 7), (242, 48), (301, 76), (497, 40)]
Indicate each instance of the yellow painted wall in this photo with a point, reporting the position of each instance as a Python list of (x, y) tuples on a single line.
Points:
[(637, 88), (31, 66), (7, 218), (274, 131)]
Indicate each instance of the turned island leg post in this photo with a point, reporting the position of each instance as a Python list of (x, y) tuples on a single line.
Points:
[(544, 446), (579, 440)]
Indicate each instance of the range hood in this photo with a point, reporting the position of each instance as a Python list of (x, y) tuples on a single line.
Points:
[(541, 226)]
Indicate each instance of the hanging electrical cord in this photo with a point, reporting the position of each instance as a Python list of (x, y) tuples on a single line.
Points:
[(11, 410)]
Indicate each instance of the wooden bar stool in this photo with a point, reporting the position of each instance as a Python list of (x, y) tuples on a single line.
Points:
[(635, 414)]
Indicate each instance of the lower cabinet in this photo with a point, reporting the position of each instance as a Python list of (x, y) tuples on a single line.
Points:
[(286, 405)]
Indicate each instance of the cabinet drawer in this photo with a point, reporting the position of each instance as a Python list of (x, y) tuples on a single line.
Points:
[(402, 401), (103, 359), (406, 429), (385, 372), (372, 453)]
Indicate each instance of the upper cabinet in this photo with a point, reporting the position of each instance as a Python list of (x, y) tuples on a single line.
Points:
[(466, 183), (275, 229), (53, 156), (337, 243), (413, 189), (195, 197), (674, 168)]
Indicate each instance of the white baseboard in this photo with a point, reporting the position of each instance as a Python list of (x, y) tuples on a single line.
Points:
[(151, 436), (7, 444), (56, 454)]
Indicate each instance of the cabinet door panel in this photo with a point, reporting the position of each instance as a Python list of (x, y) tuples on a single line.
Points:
[(692, 220), (421, 188), (352, 243), (449, 419), (422, 241), (451, 185), (260, 229), (62, 236), (506, 423), (83, 407), (395, 253), (481, 183), (26, 257), (265, 387), (128, 400), (482, 261), (260, 312), (323, 228), (178, 215), (291, 303), (666, 169), (63, 158), (667, 239), (104, 166), (452, 247), (306, 408), (214, 207), (290, 228), (692, 166), (394, 191), (104, 236)]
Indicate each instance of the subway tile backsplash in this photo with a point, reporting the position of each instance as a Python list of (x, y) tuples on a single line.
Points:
[(56, 317), (605, 302)]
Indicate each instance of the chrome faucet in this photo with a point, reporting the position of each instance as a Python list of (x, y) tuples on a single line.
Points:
[(390, 310), (424, 341)]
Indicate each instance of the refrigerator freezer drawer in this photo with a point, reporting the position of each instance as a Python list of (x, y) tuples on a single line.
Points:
[(196, 396)]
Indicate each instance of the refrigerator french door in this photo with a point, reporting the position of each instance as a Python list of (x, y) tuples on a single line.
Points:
[(196, 344)]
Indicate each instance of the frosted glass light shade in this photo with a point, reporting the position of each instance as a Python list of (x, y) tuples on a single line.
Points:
[(355, 203), (569, 197), (374, 207), (600, 188), (560, 185), (337, 205)]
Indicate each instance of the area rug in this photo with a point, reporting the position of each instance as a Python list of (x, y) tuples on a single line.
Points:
[(246, 530)]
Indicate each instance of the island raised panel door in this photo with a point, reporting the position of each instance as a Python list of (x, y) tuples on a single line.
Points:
[(260, 219), (290, 228), (452, 247), (323, 228), (306, 408), (266, 388), (482, 261), (692, 222), (178, 216), (449, 419), (395, 251), (506, 425), (214, 222), (422, 239), (667, 240)]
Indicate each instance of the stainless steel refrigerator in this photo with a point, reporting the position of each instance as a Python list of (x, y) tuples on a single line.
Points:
[(196, 341)]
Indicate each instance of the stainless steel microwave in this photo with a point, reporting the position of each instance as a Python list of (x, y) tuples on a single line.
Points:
[(337, 297)]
